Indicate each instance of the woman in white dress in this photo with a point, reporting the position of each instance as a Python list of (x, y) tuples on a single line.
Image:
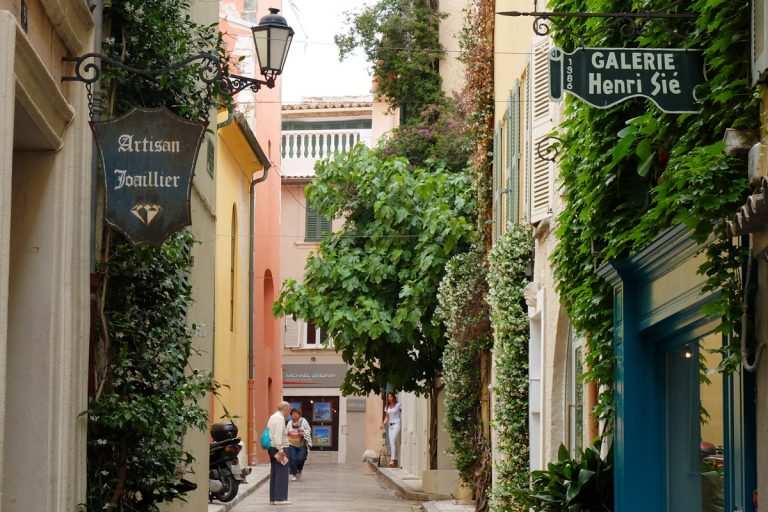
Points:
[(391, 422)]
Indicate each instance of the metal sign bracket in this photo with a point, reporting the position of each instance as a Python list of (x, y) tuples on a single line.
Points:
[(629, 23)]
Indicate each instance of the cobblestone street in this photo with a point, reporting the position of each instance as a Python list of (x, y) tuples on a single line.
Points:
[(333, 488)]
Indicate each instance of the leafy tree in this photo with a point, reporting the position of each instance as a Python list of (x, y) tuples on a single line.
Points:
[(401, 39), (373, 284), (440, 133)]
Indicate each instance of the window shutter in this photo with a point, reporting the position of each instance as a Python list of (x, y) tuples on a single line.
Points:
[(542, 170), (317, 226), (497, 221), (312, 233), (527, 104), (325, 226), (291, 333), (513, 155)]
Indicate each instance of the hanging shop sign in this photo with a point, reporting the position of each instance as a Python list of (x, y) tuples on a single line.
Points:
[(604, 77), (148, 157)]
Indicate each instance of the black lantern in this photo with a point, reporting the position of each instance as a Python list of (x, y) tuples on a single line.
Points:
[(272, 38)]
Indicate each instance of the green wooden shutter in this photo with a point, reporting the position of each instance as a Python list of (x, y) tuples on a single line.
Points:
[(325, 226), (513, 154), (497, 221), (317, 226)]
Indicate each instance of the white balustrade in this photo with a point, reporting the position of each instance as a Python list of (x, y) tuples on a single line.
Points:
[(300, 149)]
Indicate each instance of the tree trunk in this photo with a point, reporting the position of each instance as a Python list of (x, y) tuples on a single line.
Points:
[(434, 391)]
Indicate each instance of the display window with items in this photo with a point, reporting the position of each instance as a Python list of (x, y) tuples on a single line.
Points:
[(322, 413)]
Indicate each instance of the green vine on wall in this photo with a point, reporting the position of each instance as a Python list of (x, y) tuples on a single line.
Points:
[(463, 310), (508, 262), (146, 397), (631, 171), (476, 42)]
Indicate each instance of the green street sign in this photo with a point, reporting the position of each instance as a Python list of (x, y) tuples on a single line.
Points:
[(604, 77)]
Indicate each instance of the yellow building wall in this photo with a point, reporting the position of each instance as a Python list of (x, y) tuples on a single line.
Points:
[(235, 163)]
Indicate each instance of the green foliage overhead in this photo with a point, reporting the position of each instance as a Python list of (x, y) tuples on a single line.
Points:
[(466, 315), (508, 265), (400, 39), (631, 171), (373, 283), (174, 37)]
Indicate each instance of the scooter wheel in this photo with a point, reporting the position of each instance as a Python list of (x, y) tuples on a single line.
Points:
[(229, 492)]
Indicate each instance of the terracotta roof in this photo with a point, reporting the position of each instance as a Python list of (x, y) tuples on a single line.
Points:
[(325, 105), (753, 215)]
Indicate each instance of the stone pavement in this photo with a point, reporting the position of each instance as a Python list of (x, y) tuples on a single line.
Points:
[(341, 488), (259, 475)]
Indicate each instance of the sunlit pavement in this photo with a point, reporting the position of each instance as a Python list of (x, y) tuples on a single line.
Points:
[(332, 488)]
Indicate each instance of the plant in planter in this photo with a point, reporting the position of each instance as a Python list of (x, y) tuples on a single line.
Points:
[(574, 485)]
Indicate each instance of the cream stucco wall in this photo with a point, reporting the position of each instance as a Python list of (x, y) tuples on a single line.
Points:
[(451, 70), (45, 144), (201, 312)]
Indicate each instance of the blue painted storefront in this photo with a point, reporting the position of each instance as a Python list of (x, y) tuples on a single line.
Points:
[(658, 324)]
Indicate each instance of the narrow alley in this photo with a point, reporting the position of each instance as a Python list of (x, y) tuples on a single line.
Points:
[(333, 488)]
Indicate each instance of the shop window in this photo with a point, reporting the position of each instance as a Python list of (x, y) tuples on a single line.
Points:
[(322, 413)]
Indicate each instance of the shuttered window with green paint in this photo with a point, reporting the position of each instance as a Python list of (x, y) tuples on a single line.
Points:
[(513, 156), (317, 226)]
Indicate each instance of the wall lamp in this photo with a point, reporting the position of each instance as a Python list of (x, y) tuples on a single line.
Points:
[(272, 38)]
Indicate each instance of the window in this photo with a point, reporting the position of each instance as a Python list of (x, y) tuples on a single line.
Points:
[(317, 226), (322, 413), (300, 334), (574, 412), (249, 11), (314, 337)]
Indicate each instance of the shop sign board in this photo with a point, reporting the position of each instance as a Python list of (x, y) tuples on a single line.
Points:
[(604, 77), (148, 158), (313, 375)]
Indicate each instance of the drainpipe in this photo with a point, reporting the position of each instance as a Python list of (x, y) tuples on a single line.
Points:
[(750, 367), (251, 301)]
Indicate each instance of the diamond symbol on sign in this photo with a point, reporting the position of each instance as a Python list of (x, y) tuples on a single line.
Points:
[(146, 213)]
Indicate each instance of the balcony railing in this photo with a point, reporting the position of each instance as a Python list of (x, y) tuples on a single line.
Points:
[(300, 149)]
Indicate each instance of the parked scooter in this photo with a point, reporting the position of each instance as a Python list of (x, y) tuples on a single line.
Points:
[(224, 471)]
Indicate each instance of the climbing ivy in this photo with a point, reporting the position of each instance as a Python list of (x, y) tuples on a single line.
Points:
[(145, 396), (476, 42), (631, 171), (466, 315), (508, 261)]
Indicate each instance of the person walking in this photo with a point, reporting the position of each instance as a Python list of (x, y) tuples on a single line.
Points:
[(299, 443), (392, 410), (278, 458)]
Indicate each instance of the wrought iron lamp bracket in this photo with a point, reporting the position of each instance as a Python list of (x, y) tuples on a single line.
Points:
[(88, 69), (629, 23)]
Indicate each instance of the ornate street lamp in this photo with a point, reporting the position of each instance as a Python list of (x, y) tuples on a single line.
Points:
[(272, 38)]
